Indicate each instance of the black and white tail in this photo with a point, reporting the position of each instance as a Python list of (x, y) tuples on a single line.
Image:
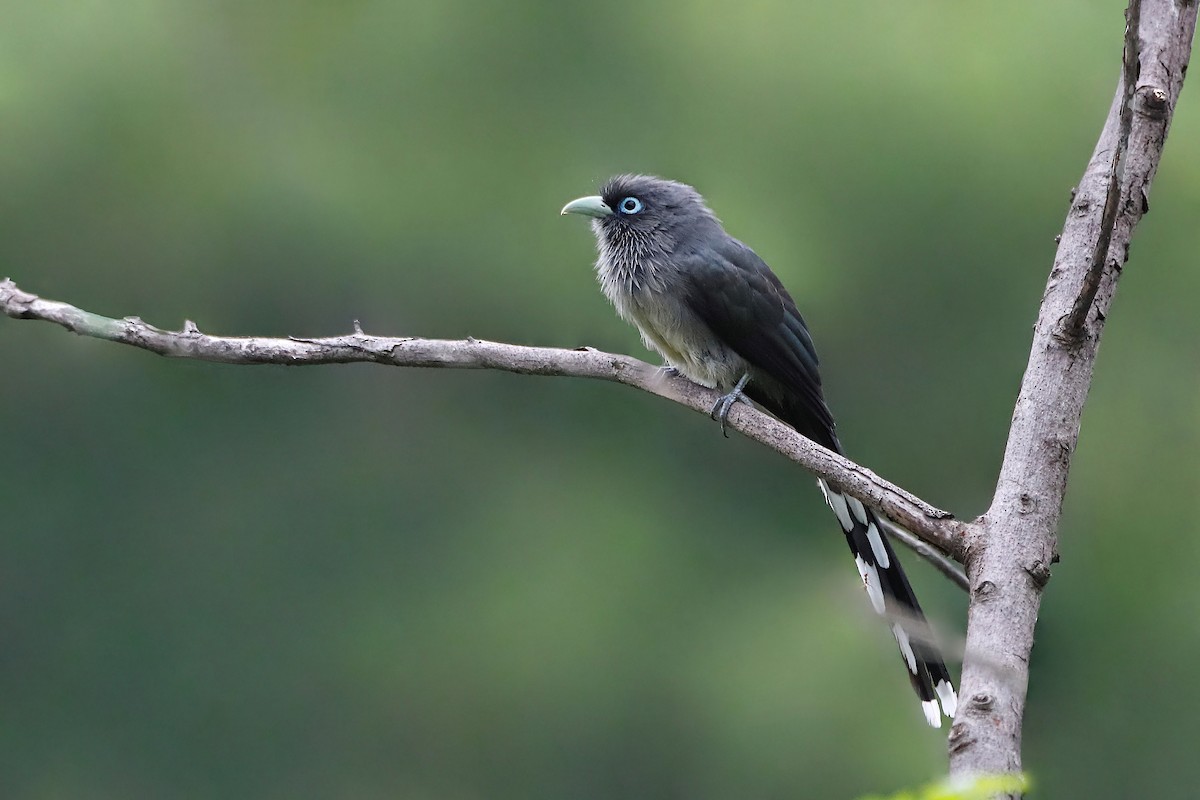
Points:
[(893, 598)]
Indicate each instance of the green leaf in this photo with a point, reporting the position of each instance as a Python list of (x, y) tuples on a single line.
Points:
[(976, 787)]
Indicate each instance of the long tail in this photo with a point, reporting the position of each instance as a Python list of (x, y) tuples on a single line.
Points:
[(893, 598), (887, 586)]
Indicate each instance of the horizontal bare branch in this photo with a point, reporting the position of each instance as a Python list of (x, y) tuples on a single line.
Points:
[(932, 525)]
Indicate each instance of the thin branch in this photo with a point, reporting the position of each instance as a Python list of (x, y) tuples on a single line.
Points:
[(941, 562), (1074, 325), (935, 527), (1012, 548)]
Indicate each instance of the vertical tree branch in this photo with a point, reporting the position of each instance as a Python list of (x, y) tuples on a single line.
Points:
[(1011, 548), (1116, 176)]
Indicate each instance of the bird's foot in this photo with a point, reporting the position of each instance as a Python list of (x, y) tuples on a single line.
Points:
[(720, 411), (667, 371)]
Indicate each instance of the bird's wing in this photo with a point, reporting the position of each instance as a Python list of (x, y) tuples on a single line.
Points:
[(738, 296)]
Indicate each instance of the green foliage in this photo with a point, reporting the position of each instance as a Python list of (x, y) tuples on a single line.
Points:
[(977, 787)]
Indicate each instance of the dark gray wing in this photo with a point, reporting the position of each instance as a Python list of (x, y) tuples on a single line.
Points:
[(745, 305)]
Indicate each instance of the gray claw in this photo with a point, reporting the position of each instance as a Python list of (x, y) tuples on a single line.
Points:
[(720, 411)]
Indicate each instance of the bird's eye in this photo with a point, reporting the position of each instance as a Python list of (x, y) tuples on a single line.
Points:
[(630, 205)]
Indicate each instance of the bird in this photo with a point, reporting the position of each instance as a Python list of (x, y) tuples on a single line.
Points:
[(720, 317)]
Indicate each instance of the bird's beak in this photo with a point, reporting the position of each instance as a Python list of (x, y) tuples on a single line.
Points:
[(593, 206)]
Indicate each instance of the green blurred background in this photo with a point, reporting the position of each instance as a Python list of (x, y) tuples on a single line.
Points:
[(359, 582)]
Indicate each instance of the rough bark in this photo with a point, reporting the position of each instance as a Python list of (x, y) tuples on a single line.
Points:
[(1011, 548)]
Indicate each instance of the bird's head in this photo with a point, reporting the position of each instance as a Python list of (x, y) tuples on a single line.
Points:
[(640, 216)]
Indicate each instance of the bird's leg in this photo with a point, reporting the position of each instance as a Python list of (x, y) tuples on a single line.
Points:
[(668, 371), (720, 411)]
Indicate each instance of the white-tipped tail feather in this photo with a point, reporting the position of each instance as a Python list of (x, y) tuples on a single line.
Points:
[(858, 509), (892, 597), (870, 579), (881, 554), (906, 650), (932, 715), (948, 697), (838, 503)]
